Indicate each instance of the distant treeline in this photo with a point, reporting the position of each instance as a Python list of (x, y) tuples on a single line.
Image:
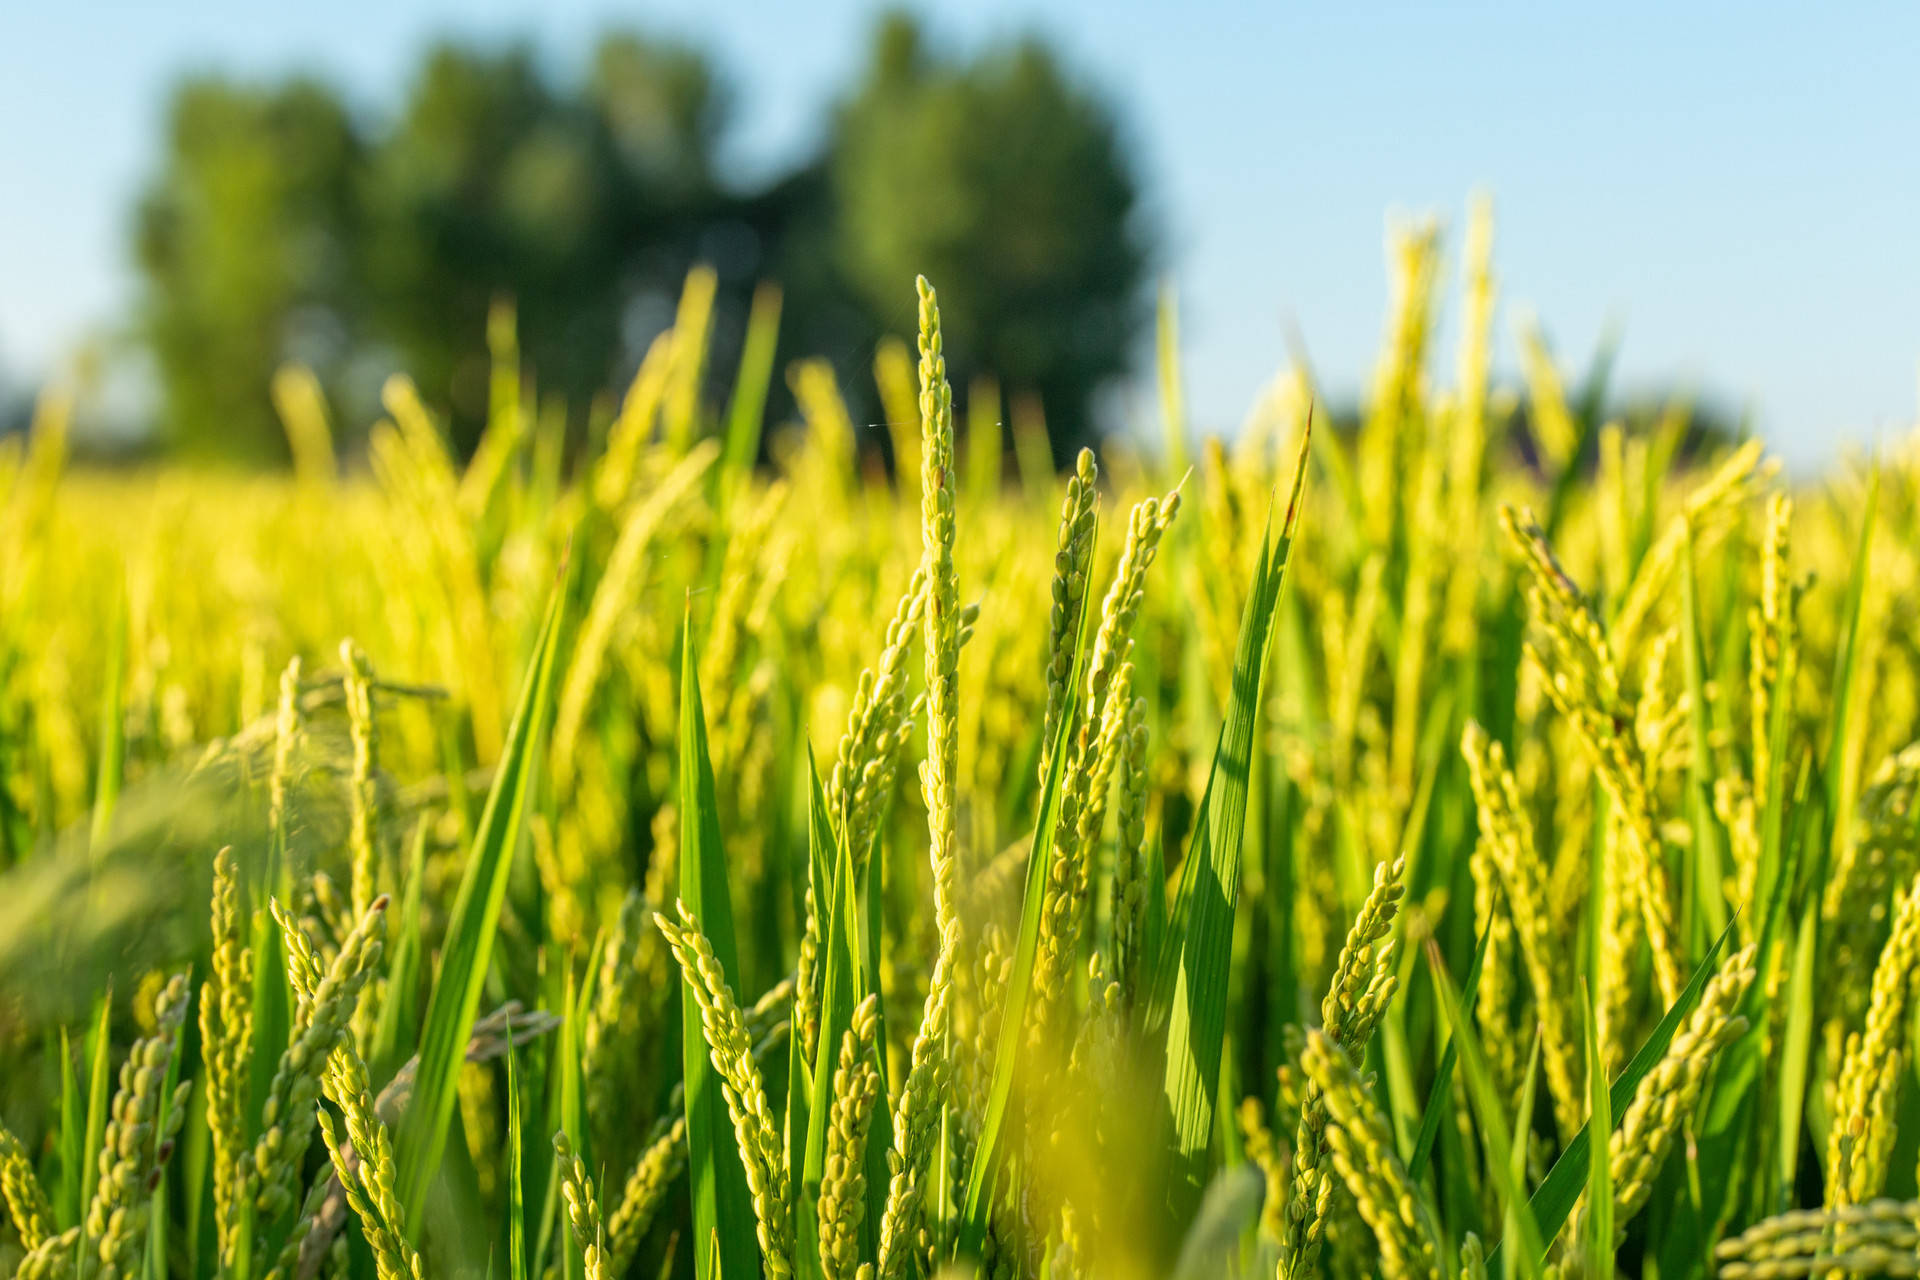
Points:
[(280, 223)]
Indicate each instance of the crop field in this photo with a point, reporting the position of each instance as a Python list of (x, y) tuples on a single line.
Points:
[(1474, 840)]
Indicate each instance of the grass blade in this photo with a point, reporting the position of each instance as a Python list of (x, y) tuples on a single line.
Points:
[(557, 993), (1599, 1172), (1796, 1048), (1709, 841), (73, 1126), (471, 928), (1838, 779), (747, 411), (400, 1009), (818, 898), (723, 1221), (516, 1172), (1522, 1127), (1732, 1156), (1190, 987), (99, 1083), (1554, 1198), (571, 1121), (880, 1132), (842, 988), (1485, 1099), (986, 1152), (1837, 786), (1440, 1097)]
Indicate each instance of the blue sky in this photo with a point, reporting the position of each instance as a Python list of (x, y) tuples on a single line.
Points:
[(1736, 187)]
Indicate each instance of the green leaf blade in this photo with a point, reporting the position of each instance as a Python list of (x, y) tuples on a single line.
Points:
[(1499, 1138), (1191, 985), (723, 1239), (1554, 1198), (1599, 1172), (470, 932)]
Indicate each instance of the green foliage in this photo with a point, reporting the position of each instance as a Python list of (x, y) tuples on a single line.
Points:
[(1190, 987), (570, 200), (246, 242), (1006, 179), (281, 225), (474, 921), (723, 1213)]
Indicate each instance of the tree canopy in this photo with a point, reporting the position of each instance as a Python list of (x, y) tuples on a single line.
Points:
[(1007, 183), (283, 224), (245, 243)]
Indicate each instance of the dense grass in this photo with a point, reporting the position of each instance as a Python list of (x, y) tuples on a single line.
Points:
[(1299, 865)]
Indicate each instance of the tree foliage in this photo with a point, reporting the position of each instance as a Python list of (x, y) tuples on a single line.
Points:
[(246, 244), (1009, 183), (281, 225)]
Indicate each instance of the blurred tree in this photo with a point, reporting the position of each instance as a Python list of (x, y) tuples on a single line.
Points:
[(281, 226), (577, 205), (1007, 185), (244, 241), (278, 228)]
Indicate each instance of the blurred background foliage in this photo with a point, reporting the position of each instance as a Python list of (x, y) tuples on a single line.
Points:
[(283, 224)]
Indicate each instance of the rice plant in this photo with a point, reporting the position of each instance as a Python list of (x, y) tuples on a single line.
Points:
[(1475, 838)]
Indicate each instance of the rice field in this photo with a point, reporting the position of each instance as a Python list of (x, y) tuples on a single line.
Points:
[(1477, 842)]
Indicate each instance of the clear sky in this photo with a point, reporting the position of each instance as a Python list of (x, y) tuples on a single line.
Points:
[(1735, 186)]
